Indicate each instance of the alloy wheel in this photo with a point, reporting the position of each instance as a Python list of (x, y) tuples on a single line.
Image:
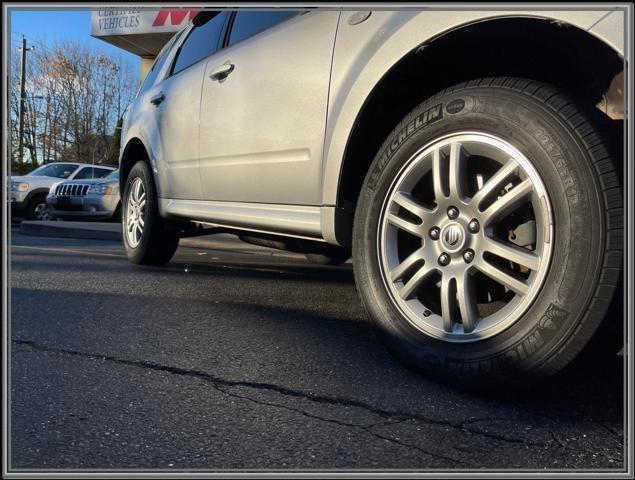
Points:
[(135, 213), (42, 212), (465, 237)]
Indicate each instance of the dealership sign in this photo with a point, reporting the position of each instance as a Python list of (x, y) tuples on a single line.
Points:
[(118, 21)]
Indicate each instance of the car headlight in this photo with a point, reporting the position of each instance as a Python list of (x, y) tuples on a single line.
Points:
[(101, 189), (19, 186)]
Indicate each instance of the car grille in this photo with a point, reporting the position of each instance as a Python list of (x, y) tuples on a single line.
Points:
[(71, 190)]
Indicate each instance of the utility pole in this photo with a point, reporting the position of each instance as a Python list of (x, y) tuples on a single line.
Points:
[(22, 99)]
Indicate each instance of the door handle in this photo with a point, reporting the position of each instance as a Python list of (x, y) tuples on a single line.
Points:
[(157, 99), (221, 72)]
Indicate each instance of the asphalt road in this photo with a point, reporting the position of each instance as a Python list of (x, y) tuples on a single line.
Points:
[(243, 358)]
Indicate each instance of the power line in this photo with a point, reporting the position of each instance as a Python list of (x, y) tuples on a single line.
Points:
[(37, 42)]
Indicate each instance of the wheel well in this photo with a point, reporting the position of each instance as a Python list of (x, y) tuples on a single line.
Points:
[(134, 151), (552, 52), (39, 193)]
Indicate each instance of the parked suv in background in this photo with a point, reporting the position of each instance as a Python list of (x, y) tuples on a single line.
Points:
[(93, 199), (469, 160), (28, 192)]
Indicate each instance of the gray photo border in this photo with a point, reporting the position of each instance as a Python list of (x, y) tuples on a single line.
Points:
[(628, 472)]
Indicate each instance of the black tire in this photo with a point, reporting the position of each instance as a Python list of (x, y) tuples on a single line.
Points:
[(32, 207), (116, 216), (571, 157), (160, 237)]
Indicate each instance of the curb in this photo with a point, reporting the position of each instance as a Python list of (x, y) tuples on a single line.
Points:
[(83, 230)]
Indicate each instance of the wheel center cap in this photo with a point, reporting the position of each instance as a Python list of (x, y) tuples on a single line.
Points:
[(453, 237)]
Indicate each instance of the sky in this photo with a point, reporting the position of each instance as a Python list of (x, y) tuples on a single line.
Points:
[(44, 27)]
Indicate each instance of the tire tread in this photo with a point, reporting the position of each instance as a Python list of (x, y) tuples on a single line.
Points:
[(603, 163)]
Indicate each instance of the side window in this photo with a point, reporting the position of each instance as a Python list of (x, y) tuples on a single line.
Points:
[(91, 172), (158, 63), (84, 173), (248, 23), (102, 172), (201, 42)]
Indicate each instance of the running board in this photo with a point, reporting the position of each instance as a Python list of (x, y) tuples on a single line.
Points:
[(291, 220)]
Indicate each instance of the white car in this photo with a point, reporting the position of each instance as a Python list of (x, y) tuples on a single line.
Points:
[(28, 192)]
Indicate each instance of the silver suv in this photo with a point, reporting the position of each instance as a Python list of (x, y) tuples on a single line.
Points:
[(470, 161), (93, 199), (29, 192)]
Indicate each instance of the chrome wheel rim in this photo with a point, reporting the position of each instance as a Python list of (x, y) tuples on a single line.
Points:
[(42, 212), (134, 221), (442, 254)]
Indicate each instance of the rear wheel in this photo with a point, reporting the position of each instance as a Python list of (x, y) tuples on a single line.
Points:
[(149, 239), (487, 234)]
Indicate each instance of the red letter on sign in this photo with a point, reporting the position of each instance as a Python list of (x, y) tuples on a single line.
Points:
[(176, 17)]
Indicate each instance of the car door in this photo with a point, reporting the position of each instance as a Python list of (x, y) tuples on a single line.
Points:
[(263, 108), (176, 100)]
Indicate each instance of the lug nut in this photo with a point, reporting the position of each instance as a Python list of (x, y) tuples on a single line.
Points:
[(444, 259), (453, 212), (426, 313), (473, 226), (434, 233), (468, 256)]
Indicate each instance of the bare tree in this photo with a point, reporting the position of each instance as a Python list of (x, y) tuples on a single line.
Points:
[(74, 99)]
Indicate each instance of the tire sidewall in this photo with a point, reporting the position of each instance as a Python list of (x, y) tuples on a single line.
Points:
[(33, 203), (138, 253), (565, 169)]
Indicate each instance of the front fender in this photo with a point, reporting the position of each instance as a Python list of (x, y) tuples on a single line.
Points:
[(365, 52), (34, 193), (144, 128)]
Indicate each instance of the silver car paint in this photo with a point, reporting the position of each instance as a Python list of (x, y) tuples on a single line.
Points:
[(363, 53), (176, 121), (249, 172), (140, 122), (262, 128), (610, 29), (295, 220)]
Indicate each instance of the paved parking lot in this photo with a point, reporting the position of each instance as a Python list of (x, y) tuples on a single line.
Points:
[(239, 358)]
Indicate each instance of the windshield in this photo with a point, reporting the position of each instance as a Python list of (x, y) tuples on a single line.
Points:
[(113, 175), (57, 170)]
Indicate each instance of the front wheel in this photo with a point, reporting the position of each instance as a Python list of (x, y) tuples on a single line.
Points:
[(38, 209), (487, 233), (149, 239)]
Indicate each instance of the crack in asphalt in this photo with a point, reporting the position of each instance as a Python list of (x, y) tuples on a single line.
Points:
[(365, 428), (611, 430), (462, 426), (556, 439)]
